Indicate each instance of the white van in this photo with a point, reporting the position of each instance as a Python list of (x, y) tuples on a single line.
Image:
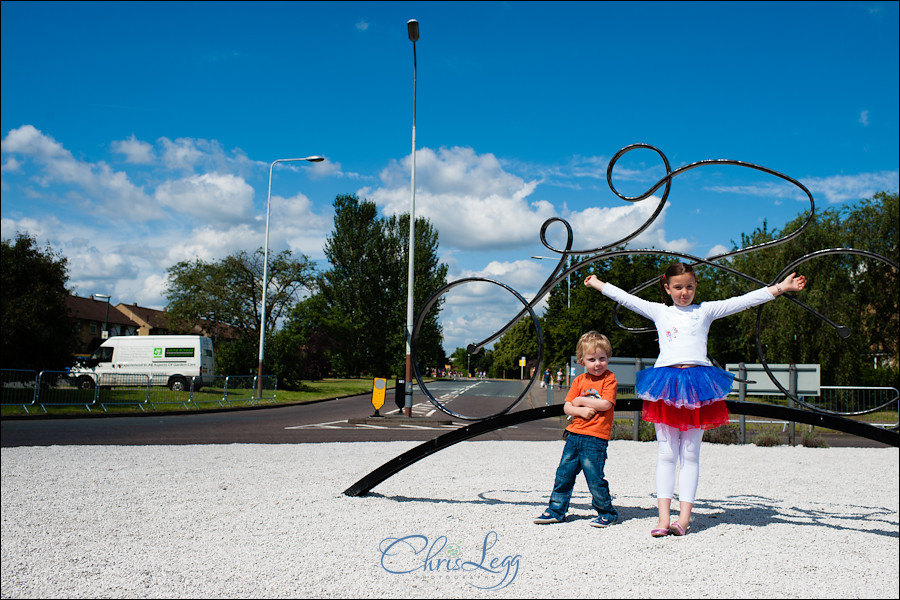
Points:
[(170, 360)]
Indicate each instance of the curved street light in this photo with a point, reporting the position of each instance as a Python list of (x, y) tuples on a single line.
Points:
[(105, 334), (265, 281)]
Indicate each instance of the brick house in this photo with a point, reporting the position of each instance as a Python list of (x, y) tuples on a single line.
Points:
[(156, 322), (91, 314), (149, 320)]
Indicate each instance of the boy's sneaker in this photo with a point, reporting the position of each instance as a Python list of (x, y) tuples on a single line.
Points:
[(602, 522), (546, 519)]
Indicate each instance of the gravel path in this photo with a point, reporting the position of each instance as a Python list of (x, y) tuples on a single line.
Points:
[(253, 520)]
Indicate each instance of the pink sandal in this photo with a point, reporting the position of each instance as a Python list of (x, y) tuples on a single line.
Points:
[(659, 532), (676, 529)]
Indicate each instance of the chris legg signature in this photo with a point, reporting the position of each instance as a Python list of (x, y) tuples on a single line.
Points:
[(405, 555)]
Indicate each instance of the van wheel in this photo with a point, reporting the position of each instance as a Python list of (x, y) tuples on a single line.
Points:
[(177, 384), (84, 383)]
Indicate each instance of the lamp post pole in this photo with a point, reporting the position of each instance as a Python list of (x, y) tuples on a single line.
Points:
[(568, 287), (265, 281), (105, 334), (412, 27)]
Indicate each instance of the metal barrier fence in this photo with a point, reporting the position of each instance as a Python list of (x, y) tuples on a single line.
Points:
[(17, 387), (30, 389), (54, 388)]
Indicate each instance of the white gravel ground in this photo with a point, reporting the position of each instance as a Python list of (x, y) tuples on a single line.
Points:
[(253, 520)]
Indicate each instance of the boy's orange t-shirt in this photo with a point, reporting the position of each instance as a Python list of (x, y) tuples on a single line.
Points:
[(604, 387)]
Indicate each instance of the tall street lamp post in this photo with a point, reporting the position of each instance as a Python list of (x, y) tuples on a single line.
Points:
[(105, 333), (412, 27), (568, 298), (568, 287), (265, 281)]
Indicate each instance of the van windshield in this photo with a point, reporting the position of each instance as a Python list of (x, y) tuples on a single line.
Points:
[(102, 354)]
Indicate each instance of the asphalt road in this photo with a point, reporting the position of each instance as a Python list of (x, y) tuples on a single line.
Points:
[(338, 420)]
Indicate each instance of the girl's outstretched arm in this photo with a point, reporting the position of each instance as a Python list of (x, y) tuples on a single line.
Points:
[(791, 283), (593, 282)]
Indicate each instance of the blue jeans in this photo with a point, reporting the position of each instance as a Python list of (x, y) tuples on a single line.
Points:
[(582, 453)]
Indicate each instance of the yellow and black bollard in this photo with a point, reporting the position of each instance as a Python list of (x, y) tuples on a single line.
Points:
[(378, 390)]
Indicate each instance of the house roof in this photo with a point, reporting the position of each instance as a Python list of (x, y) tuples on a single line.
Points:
[(92, 309), (157, 319)]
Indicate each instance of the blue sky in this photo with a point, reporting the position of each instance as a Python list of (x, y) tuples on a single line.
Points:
[(136, 135)]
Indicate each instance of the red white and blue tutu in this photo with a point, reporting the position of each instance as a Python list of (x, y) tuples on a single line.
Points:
[(685, 398)]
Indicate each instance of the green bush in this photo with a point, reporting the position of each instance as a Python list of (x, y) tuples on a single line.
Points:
[(767, 438), (621, 431), (647, 432), (624, 430), (726, 434), (813, 440)]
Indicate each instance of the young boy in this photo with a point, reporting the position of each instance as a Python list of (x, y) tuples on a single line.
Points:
[(590, 402)]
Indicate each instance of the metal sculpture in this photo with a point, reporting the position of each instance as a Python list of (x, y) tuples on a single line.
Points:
[(812, 415)]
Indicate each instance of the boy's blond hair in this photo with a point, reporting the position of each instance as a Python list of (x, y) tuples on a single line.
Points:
[(591, 342)]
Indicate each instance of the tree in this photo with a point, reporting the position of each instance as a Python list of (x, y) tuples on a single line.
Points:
[(304, 347), (230, 291), (430, 275), (521, 340), (357, 290), (365, 290), (38, 332), (852, 291), (572, 312)]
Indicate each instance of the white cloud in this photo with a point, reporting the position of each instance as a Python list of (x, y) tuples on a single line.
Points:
[(840, 188), (362, 25), (835, 188), (295, 225), (469, 198), (475, 310), (209, 197), (29, 141), (11, 165), (597, 226), (102, 222), (100, 187), (717, 249), (135, 151), (208, 243), (864, 118), (190, 154)]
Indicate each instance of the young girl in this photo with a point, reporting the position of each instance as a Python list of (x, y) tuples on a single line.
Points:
[(683, 393)]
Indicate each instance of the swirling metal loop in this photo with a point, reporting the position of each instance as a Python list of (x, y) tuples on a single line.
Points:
[(563, 269), (421, 319)]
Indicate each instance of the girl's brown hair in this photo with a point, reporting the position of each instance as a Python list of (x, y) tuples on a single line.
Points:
[(674, 269)]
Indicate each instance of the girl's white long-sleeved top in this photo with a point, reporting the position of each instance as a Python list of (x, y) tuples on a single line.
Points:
[(683, 330)]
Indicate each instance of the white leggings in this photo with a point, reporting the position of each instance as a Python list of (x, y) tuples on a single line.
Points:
[(673, 444)]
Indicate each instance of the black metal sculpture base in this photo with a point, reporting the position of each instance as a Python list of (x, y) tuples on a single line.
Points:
[(395, 465)]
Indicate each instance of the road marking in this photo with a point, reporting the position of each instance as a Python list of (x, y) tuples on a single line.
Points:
[(329, 425), (345, 424)]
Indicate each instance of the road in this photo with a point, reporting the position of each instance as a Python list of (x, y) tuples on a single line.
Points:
[(338, 420)]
